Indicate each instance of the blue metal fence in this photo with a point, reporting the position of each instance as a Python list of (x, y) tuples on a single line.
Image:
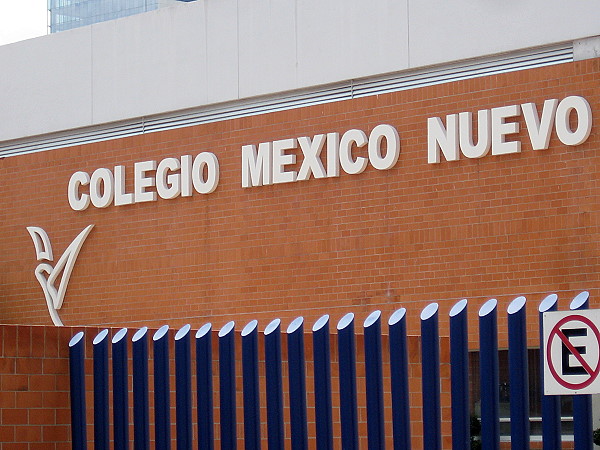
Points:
[(377, 435)]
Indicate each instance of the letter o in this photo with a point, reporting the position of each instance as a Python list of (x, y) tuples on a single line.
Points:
[(102, 188), (390, 134), (78, 203), (584, 120), (208, 185)]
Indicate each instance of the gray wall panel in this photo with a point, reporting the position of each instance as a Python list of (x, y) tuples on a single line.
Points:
[(339, 40), (45, 84), (213, 51), (461, 29), (155, 64)]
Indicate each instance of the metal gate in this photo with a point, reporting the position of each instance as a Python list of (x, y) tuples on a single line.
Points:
[(286, 406)]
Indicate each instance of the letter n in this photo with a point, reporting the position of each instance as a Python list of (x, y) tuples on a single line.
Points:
[(444, 139)]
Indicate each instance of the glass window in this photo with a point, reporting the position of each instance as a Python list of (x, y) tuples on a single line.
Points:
[(535, 395)]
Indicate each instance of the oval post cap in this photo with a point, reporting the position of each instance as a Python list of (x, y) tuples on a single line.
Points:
[(397, 316), (139, 334), (321, 322), (580, 300), (182, 332), (296, 323), (273, 325), (203, 330), (160, 332), (458, 307), (76, 339), (227, 328), (516, 305), (100, 337), (372, 318), (119, 335), (345, 321), (429, 311), (549, 302), (488, 307), (250, 327)]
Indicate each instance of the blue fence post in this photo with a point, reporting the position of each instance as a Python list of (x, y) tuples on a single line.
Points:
[(275, 436), (162, 391), (322, 382), (101, 405), (297, 384), (77, 382), (251, 386), (519, 374), (374, 381), (399, 380), (582, 404), (551, 423), (459, 376), (141, 414), (347, 376), (204, 387), (430, 361), (227, 386), (183, 388), (120, 390), (488, 376)]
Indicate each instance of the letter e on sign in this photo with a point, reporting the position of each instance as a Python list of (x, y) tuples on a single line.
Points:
[(571, 352)]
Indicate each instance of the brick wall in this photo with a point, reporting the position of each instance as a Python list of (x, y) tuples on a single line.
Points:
[(499, 226), (34, 387)]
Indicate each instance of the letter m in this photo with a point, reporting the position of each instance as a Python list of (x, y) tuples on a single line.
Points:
[(257, 166)]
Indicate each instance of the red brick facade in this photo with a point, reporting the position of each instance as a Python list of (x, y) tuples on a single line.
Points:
[(500, 226), (35, 405)]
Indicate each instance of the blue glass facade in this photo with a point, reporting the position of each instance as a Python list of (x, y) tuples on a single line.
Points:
[(68, 14)]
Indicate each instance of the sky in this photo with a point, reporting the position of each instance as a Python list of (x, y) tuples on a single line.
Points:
[(22, 19)]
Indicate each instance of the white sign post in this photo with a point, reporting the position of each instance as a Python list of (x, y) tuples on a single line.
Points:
[(571, 352)]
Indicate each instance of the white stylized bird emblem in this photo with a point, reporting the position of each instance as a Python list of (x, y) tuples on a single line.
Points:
[(47, 275)]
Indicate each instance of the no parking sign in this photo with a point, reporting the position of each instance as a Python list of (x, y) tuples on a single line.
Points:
[(572, 352)]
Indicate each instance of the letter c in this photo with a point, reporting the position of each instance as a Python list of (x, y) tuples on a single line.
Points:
[(76, 201)]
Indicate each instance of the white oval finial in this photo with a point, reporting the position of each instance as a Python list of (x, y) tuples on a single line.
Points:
[(549, 302), (203, 330), (488, 307), (273, 325), (227, 328), (345, 321), (516, 305), (397, 316), (459, 307), (372, 318), (429, 311), (323, 320), (250, 327), (580, 300), (100, 337)]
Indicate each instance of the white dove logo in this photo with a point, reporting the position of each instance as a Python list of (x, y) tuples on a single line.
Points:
[(47, 275)]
